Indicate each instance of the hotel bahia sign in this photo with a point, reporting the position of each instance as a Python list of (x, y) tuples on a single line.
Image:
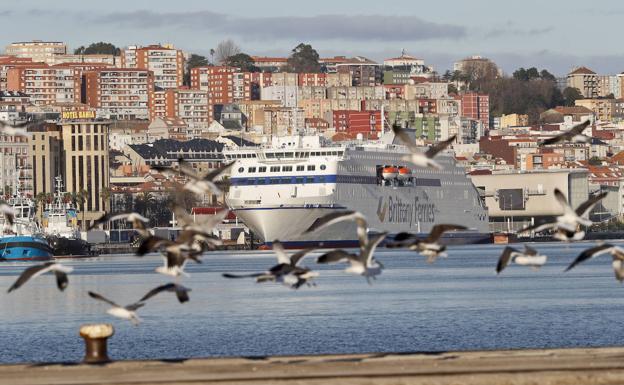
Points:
[(69, 115)]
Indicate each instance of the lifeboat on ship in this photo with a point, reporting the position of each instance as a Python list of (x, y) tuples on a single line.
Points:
[(404, 173), (390, 172)]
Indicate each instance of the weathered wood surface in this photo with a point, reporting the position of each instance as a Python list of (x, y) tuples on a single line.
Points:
[(564, 366)]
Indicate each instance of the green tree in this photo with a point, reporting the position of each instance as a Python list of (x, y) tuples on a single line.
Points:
[(571, 95), (100, 48), (194, 61), (80, 198), (545, 75), (304, 59), (452, 89), (242, 61)]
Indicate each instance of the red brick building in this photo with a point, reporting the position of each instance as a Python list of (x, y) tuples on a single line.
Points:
[(45, 84), (119, 93), (367, 123), (476, 106)]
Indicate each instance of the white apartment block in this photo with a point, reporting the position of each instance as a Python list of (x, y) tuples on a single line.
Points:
[(37, 50)]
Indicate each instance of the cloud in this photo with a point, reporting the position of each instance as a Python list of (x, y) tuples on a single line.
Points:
[(513, 31), (323, 27)]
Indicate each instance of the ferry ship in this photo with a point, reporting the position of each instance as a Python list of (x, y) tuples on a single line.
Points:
[(280, 190), (24, 240), (60, 226)]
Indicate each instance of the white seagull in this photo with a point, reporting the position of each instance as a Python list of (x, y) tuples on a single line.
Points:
[(363, 264), (124, 312), (287, 271), (199, 183), (340, 216), (60, 271), (566, 226), (428, 247), (574, 135), (138, 221), (180, 291), (418, 158), (530, 257), (617, 254)]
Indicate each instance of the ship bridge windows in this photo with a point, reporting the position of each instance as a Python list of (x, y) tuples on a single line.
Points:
[(275, 169), (262, 169), (287, 168), (252, 169), (311, 167), (300, 168)]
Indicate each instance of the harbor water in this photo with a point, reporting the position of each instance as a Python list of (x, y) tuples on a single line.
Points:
[(458, 303)]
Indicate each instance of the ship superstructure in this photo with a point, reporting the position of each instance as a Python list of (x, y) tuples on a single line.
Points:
[(22, 241), (281, 189)]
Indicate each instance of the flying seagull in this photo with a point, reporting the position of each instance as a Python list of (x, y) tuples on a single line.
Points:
[(429, 247), (566, 226), (180, 291), (363, 263), (340, 216), (138, 220), (617, 254), (60, 271), (175, 254), (8, 212), (125, 312), (530, 257), (417, 157), (574, 135), (287, 271), (199, 183)]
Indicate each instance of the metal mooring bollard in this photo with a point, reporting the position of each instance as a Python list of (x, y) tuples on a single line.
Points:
[(95, 337)]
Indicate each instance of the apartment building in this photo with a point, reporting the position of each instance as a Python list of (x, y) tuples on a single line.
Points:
[(281, 121), (120, 93), (167, 64), (352, 123), (78, 151), (586, 81), (476, 106), (363, 71), (218, 82), (7, 62), (270, 64), (15, 165), (191, 106), (46, 85), (37, 50), (109, 60), (603, 109), (158, 106)]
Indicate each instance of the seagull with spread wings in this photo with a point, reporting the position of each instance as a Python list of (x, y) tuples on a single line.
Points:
[(529, 257), (617, 255), (574, 135), (340, 216), (429, 246), (362, 263), (417, 157), (566, 226), (198, 183), (287, 271), (124, 312), (60, 271)]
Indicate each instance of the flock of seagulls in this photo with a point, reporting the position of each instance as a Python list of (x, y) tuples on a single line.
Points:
[(196, 238)]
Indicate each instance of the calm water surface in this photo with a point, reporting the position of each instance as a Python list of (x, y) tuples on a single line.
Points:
[(456, 304)]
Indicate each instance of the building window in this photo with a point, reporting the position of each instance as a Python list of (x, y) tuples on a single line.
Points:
[(311, 167), (300, 168)]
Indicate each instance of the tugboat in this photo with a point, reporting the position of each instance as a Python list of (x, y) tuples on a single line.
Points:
[(23, 241), (60, 226)]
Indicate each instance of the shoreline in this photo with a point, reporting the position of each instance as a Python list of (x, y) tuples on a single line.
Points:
[(560, 366)]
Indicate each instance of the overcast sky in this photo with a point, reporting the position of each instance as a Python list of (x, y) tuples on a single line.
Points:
[(555, 35)]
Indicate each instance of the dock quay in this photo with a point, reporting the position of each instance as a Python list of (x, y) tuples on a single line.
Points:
[(550, 366)]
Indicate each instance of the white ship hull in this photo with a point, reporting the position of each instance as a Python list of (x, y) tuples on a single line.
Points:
[(282, 203)]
